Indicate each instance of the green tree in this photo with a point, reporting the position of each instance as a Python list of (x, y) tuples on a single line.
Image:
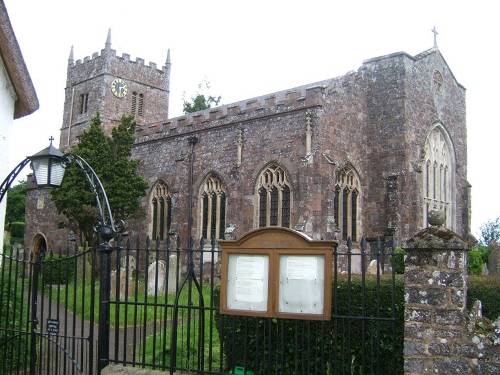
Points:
[(200, 101), (109, 157), (16, 203), (490, 232)]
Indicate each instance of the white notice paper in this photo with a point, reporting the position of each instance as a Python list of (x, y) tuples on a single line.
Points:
[(250, 279), (302, 268)]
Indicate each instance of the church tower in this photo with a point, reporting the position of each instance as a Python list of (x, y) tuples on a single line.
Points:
[(114, 86)]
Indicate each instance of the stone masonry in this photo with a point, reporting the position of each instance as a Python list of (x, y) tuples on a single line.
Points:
[(437, 340)]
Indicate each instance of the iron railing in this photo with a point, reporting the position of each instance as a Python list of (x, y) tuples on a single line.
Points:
[(164, 315)]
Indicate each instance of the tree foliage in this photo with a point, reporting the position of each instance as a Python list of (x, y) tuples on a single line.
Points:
[(16, 203), (200, 101), (109, 157), (490, 232)]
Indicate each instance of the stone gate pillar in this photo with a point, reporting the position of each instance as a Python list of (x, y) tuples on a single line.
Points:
[(435, 296)]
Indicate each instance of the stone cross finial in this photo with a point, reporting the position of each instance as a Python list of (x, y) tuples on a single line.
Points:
[(435, 36)]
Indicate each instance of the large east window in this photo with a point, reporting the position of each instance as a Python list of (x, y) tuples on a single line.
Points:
[(437, 175)]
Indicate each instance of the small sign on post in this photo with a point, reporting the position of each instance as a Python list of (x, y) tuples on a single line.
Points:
[(53, 326)]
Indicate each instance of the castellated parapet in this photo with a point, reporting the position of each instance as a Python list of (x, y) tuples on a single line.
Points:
[(286, 101), (125, 57)]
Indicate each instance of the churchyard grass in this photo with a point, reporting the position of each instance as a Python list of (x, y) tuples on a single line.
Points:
[(139, 308)]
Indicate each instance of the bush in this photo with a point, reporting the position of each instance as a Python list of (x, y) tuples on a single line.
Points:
[(487, 290), (475, 262), (285, 346), (57, 269), (399, 260), (16, 232)]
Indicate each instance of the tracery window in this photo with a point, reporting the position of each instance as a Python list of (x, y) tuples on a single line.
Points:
[(213, 200), (437, 175), (345, 203), (161, 210), (274, 198)]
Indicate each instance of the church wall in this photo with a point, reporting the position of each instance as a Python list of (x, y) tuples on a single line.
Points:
[(276, 138), (427, 105)]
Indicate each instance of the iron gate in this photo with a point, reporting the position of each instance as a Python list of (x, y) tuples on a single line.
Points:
[(47, 313), (164, 315)]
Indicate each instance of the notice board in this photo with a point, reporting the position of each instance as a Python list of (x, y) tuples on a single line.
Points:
[(277, 272)]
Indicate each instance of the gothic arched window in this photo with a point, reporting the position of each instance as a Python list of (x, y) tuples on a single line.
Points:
[(437, 175), (274, 201), (161, 210), (345, 203), (213, 201)]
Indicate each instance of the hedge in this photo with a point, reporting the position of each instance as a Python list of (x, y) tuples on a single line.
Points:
[(487, 290), (282, 346)]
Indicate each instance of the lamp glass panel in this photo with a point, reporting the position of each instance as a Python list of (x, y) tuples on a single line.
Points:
[(56, 172), (41, 171)]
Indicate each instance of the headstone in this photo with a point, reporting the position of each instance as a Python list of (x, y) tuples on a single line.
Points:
[(476, 311), (172, 270), (157, 272), (372, 268), (125, 281), (494, 261), (17, 250), (84, 267), (129, 262), (356, 260)]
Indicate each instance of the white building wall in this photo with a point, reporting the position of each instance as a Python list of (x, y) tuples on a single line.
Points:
[(7, 101)]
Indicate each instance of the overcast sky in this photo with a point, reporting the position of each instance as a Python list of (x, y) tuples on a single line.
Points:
[(251, 48)]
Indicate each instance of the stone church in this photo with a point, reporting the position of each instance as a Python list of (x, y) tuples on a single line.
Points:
[(368, 154)]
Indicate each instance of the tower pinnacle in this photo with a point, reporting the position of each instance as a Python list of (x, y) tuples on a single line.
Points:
[(108, 40), (71, 59)]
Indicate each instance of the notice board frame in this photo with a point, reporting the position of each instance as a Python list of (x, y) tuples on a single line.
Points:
[(276, 245)]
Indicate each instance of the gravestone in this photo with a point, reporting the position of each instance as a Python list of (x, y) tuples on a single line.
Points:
[(494, 261), (128, 261), (372, 268), (172, 270), (157, 273), (84, 267), (124, 277), (356, 260)]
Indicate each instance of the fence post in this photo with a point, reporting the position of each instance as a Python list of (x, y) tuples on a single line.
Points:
[(105, 250), (35, 272), (435, 294)]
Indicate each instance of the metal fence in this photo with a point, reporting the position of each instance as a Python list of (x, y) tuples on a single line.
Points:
[(164, 315)]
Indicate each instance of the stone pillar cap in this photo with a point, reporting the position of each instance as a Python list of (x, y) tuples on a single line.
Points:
[(437, 238)]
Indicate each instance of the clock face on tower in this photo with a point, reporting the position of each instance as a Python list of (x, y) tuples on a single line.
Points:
[(119, 88)]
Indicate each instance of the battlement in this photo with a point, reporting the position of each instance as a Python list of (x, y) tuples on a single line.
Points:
[(250, 109), (125, 57)]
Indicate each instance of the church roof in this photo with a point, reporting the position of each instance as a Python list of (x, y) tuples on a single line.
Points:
[(27, 100)]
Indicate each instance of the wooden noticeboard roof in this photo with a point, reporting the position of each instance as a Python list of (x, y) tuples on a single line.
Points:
[(275, 238)]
